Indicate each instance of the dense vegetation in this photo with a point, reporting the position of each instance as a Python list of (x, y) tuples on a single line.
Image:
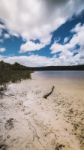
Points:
[(13, 73)]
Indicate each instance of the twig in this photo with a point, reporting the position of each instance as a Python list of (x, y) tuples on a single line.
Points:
[(48, 94)]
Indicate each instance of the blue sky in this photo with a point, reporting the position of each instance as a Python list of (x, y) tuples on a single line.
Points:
[(54, 36)]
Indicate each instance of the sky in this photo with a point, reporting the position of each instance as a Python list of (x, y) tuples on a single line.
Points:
[(42, 32)]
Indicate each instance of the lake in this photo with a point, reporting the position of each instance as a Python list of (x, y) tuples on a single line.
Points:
[(64, 81), (60, 74)]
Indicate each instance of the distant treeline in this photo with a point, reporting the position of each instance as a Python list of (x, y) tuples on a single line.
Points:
[(57, 68)]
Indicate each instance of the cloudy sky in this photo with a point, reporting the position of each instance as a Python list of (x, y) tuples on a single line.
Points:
[(42, 32)]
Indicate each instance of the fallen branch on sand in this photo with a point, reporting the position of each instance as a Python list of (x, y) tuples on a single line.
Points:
[(48, 94)]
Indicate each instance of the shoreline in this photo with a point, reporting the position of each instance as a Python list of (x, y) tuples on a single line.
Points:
[(30, 122)]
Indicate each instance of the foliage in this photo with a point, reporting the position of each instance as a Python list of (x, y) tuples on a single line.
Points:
[(13, 73)]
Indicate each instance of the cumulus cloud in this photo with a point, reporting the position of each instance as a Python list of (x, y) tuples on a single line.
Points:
[(66, 49), (6, 36), (78, 38), (66, 40), (36, 19), (36, 60), (33, 60), (2, 50), (32, 46), (2, 26), (66, 57)]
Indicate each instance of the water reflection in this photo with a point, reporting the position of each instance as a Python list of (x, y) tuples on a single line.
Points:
[(60, 74)]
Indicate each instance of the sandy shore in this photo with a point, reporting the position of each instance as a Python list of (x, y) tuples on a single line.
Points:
[(30, 122)]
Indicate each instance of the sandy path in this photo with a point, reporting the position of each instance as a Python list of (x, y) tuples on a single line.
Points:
[(30, 122)]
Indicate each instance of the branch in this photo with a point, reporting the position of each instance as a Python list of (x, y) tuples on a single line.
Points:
[(48, 94)]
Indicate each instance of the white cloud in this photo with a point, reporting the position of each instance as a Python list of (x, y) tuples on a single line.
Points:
[(66, 40), (36, 19), (66, 55), (2, 26), (56, 47), (33, 60), (78, 38), (6, 36), (2, 49), (32, 46)]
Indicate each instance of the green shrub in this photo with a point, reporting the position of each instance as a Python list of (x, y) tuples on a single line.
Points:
[(13, 73)]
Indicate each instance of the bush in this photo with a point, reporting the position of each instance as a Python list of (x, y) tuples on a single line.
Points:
[(13, 73)]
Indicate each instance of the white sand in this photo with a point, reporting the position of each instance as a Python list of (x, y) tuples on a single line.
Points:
[(30, 122)]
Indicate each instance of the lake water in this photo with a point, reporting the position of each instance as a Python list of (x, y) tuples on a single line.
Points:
[(68, 82), (60, 74)]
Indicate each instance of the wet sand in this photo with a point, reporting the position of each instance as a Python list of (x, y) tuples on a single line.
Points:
[(28, 121)]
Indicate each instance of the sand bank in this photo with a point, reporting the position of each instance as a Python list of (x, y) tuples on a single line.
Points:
[(28, 121)]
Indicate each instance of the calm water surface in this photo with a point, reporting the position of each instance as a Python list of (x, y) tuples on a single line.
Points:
[(60, 74)]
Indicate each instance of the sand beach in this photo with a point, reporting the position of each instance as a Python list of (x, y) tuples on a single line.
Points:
[(28, 121)]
